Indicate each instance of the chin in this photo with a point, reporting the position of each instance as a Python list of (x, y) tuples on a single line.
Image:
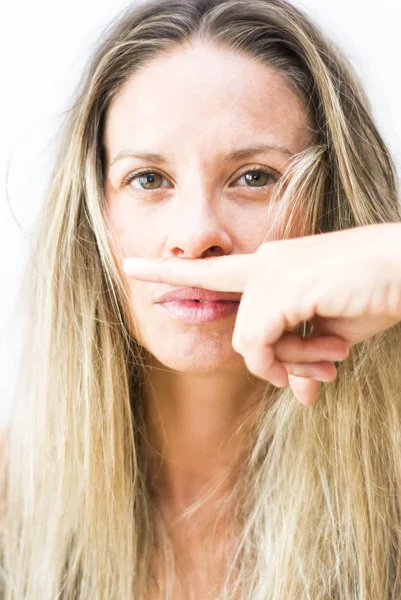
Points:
[(202, 356), (196, 365), (189, 348)]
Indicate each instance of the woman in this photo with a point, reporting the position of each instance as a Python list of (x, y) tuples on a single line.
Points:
[(157, 450)]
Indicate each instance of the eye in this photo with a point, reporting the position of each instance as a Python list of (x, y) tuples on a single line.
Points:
[(259, 177), (147, 179)]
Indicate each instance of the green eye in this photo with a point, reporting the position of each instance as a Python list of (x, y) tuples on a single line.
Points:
[(152, 180), (258, 178), (147, 181)]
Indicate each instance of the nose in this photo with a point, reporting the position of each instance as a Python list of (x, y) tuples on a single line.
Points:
[(196, 231)]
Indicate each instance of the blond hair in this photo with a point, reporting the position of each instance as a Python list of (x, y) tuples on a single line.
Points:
[(319, 494)]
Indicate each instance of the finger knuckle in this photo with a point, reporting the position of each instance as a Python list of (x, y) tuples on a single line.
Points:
[(237, 344), (256, 367), (251, 338)]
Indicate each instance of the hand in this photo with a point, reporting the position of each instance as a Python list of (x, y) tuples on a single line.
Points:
[(346, 283)]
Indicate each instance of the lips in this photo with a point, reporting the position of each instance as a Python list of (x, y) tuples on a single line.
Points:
[(198, 294)]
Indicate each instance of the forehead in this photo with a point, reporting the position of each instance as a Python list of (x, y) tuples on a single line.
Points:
[(206, 93)]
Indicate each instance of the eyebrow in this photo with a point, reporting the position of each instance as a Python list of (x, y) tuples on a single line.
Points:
[(239, 154)]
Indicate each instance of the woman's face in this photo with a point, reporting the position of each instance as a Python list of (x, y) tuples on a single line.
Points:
[(185, 118)]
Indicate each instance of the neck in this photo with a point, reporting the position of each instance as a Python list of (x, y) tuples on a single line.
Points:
[(199, 424)]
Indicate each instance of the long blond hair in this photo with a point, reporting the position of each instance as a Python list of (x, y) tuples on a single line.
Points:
[(319, 494)]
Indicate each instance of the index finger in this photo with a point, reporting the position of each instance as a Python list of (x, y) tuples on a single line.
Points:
[(220, 273)]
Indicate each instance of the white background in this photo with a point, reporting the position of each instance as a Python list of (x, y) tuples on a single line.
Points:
[(43, 47)]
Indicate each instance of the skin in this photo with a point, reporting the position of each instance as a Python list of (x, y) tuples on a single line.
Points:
[(205, 378), (202, 207)]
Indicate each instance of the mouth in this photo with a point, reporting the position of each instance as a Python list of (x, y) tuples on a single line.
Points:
[(198, 295), (199, 312)]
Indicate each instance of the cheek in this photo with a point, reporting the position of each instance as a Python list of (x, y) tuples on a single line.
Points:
[(253, 225), (136, 233), (267, 224)]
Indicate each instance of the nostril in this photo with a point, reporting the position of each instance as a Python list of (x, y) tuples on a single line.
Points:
[(215, 250)]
